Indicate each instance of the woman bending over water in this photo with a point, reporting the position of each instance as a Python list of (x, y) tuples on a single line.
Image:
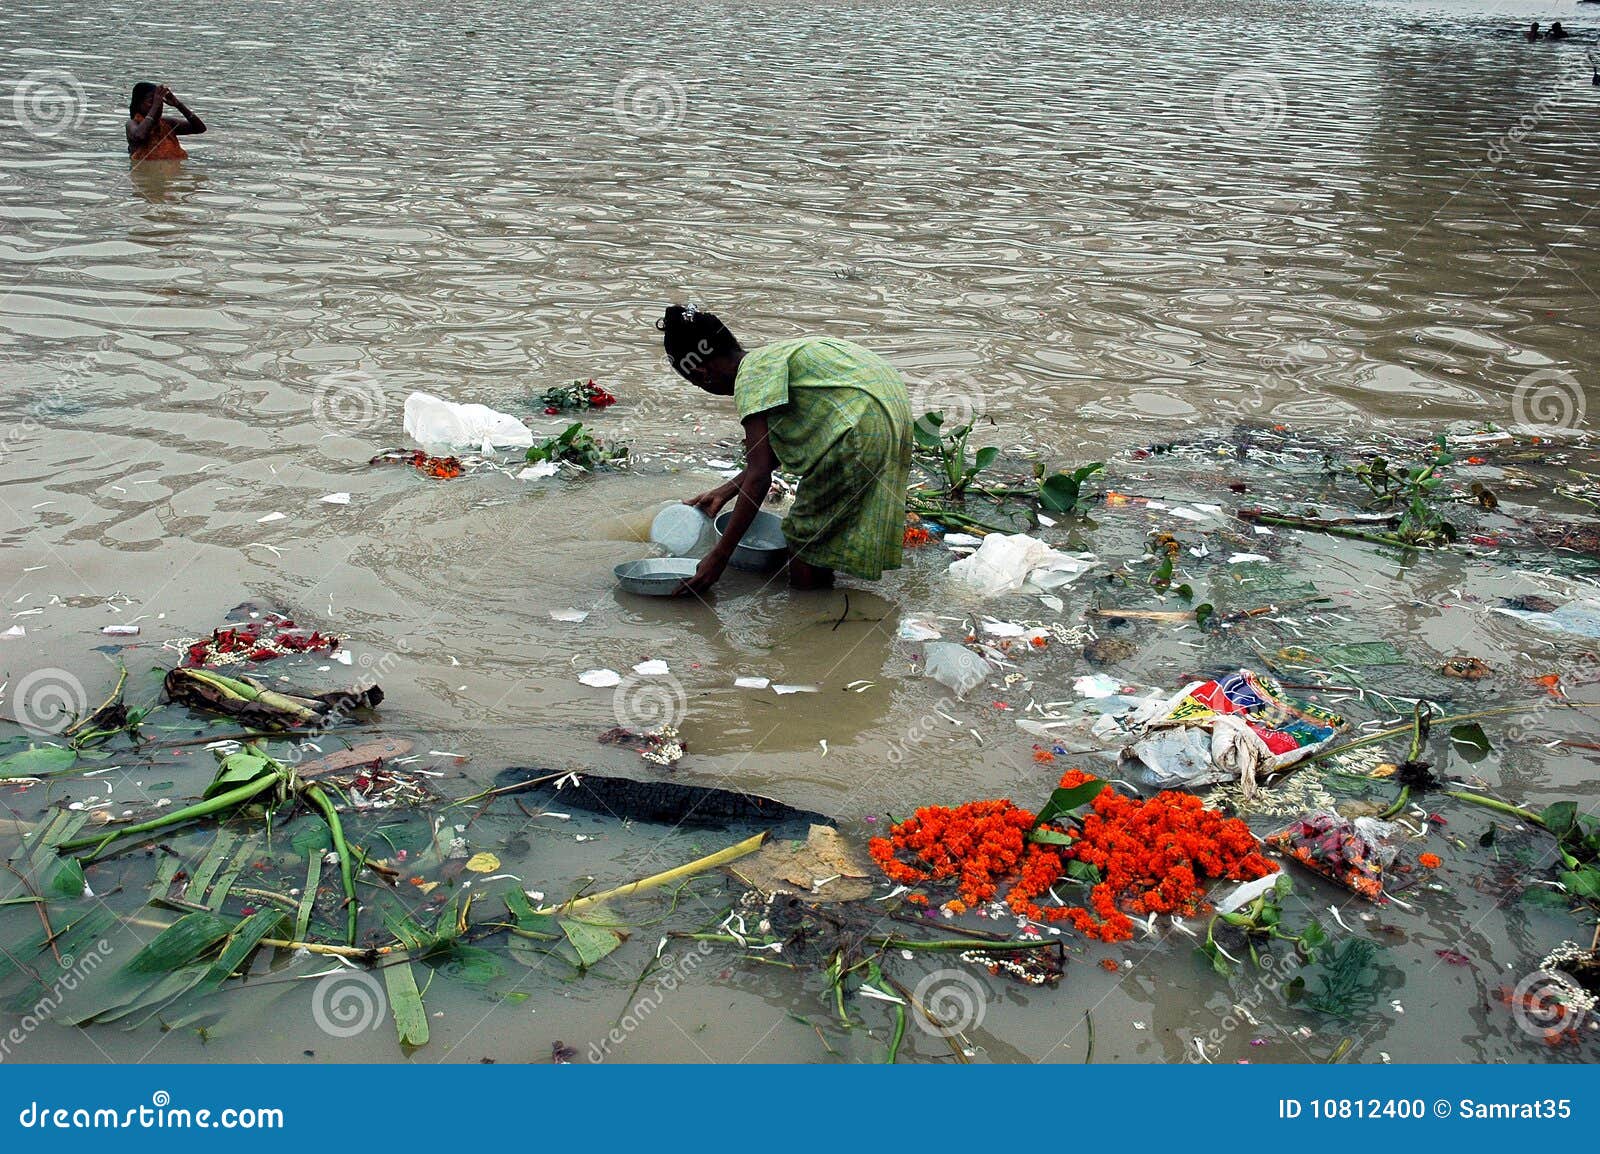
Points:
[(825, 409), (150, 137)]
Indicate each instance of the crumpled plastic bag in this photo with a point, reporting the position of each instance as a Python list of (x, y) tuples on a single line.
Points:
[(431, 420), (1010, 562), (1236, 728), (954, 666), (1353, 854)]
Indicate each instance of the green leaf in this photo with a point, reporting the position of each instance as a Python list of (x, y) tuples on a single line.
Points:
[(1313, 937), (591, 942), (1486, 839), (983, 458), (1082, 871), (245, 938), (1203, 613), (1584, 883), (1050, 837), (1066, 800), (1560, 819), (1471, 735), (528, 920), (1545, 897), (67, 881), (1213, 955), (410, 1019), (37, 761), (180, 943), (1062, 492), (469, 964), (928, 431), (240, 768), (312, 839)]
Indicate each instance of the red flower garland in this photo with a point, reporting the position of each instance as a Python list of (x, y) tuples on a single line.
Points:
[(1154, 856)]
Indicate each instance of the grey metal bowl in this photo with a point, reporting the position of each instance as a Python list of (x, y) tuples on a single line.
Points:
[(762, 548), (655, 576)]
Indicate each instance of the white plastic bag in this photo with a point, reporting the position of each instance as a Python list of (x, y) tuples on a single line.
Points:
[(1006, 562), (954, 666), (432, 420)]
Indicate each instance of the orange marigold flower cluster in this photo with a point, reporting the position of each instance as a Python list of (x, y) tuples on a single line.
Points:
[(1154, 856), (1431, 860), (916, 536)]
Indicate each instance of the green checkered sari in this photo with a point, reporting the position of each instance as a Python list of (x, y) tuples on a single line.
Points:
[(838, 416)]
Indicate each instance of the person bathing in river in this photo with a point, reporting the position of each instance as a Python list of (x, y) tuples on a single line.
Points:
[(150, 136), (825, 409)]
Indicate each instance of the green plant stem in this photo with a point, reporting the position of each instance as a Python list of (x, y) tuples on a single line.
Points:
[(1499, 806), (1399, 803), (316, 797), (1478, 715), (203, 809)]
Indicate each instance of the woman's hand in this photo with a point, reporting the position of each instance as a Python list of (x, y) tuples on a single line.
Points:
[(711, 502), (706, 575)]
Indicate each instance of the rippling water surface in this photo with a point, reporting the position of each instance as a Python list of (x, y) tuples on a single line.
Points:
[(1095, 224)]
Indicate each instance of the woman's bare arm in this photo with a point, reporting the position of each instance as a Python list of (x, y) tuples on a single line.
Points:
[(754, 484), (192, 125)]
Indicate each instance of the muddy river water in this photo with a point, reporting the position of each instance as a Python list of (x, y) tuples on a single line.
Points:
[(1098, 225)]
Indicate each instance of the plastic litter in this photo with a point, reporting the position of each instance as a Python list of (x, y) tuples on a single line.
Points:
[(1352, 853), (1096, 685), (539, 470), (955, 667), (336, 499), (1241, 727), (1008, 562), (913, 630), (431, 420), (785, 690), (1581, 618), (572, 615), (655, 668), (121, 630), (1246, 892), (751, 682), (600, 678)]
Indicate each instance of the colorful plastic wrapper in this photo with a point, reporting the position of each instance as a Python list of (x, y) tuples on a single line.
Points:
[(1352, 853)]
